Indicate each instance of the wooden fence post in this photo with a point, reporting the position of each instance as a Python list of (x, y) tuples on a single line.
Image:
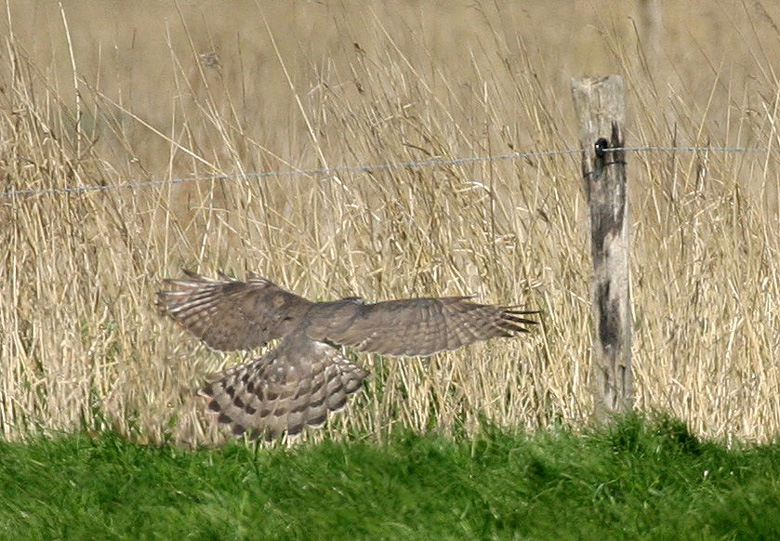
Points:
[(600, 106)]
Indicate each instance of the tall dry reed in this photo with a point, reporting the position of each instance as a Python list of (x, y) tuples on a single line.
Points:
[(115, 94)]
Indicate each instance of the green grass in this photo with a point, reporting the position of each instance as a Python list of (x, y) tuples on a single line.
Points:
[(639, 479)]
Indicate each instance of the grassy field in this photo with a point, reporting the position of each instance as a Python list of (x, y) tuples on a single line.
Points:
[(637, 480), (131, 98)]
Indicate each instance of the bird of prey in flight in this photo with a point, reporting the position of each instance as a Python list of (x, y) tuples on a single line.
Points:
[(307, 375)]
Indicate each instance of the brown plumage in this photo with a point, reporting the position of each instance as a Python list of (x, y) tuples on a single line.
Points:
[(307, 376)]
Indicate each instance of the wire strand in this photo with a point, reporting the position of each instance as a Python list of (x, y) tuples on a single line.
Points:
[(369, 168)]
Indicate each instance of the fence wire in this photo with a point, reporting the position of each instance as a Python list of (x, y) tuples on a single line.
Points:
[(367, 168)]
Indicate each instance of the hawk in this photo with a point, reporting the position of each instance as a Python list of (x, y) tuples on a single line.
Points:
[(307, 375)]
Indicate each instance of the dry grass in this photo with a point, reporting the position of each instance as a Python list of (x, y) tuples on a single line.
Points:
[(125, 94)]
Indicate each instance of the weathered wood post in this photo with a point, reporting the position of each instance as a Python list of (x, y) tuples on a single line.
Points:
[(600, 106)]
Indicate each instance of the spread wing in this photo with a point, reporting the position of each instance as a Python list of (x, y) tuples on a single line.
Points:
[(293, 386), (414, 326), (228, 314)]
